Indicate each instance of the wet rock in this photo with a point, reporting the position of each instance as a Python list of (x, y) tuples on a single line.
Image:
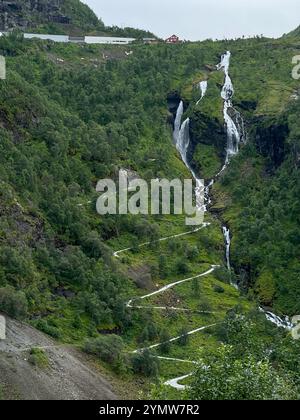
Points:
[(270, 140)]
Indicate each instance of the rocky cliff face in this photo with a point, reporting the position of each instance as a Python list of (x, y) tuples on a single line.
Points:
[(270, 142), (23, 14), (208, 131)]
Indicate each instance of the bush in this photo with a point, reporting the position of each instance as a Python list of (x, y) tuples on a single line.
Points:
[(223, 275), (38, 358), (228, 378), (165, 345), (218, 289), (182, 267), (192, 253), (53, 331), (108, 348), (205, 306), (145, 364), (184, 337), (13, 303)]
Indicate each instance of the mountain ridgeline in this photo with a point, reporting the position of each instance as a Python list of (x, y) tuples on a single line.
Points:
[(147, 286), (34, 14), (71, 17)]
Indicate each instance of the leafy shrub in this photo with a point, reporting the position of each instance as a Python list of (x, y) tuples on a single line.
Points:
[(145, 364), (182, 267), (48, 329), (205, 306), (218, 289), (13, 303), (108, 348), (229, 378), (38, 358), (223, 275)]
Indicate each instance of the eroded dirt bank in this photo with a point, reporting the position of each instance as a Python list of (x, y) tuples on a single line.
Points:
[(68, 377)]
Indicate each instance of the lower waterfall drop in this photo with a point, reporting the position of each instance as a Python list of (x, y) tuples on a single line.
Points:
[(226, 233), (181, 137)]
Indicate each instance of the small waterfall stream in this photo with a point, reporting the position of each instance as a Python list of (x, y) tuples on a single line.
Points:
[(203, 89), (283, 322), (226, 233)]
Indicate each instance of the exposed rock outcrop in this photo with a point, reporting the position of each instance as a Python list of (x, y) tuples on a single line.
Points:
[(270, 142), (52, 14), (21, 14)]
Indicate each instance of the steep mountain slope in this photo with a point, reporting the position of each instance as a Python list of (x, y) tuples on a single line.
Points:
[(256, 195), (63, 375), (71, 17), (293, 34), (35, 14), (71, 115)]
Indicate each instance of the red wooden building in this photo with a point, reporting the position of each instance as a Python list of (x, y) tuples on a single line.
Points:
[(174, 39)]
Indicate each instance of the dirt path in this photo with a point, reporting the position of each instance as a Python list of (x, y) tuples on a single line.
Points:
[(69, 376)]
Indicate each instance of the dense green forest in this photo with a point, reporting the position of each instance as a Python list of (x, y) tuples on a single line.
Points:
[(73, 114)]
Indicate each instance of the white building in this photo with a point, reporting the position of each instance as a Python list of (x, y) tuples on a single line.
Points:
[(55, 38), (85, 39), (108, 40)]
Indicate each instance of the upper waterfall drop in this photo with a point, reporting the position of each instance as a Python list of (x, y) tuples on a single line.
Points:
[(233, 120), (177, 123)]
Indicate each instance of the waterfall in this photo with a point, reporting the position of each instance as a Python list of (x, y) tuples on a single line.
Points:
[(226, 233), (183, 141), (203, 89), (236, 134), (279, 322), (177, 123), (227, 237), (181, 137), (233, 120)]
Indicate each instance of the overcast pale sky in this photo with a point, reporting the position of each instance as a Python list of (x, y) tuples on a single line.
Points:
[(202, 19)]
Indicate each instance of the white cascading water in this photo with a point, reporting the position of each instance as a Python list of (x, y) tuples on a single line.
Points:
[(235, 130), (235, 135), (279, 322), (177, 123), (181, 136), (203, 89), (226, 233)]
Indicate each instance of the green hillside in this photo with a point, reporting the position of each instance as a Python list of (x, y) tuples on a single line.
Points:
[(293, 34), (73, 114), (71, 17)]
